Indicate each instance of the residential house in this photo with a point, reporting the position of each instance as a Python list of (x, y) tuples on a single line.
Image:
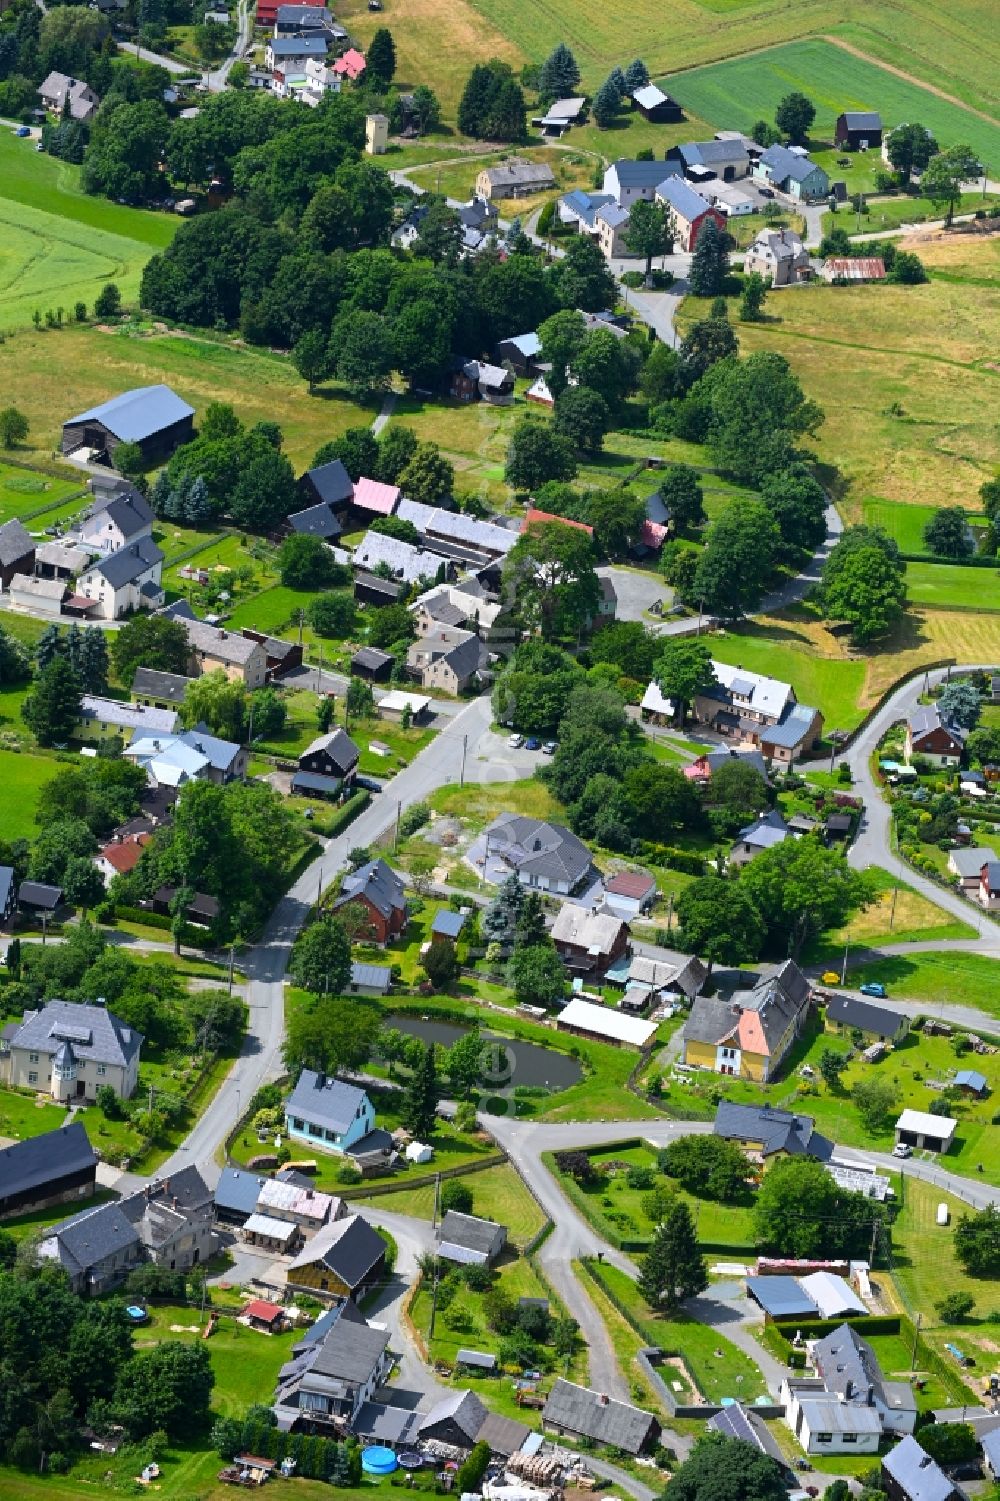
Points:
[(323, 1386), (844, 1013), (587, 1414), (858, 130), (514, 178), (60, 93), (933, 739), (840, 269), (446, 661), (988, 890), (749, 1035), (215, 649), (117, 515), (726, 158), (779, 256), (332, 756), (159, 690), (611, 229), (765, 1131), (579, 209), (651, 981), (342, 1260), (758, 710), (38, 899), (706, 765), (325, 1112), (628, 181), (96, 1249), (849, 1369), (466, 604), (305, 1207), (967, 866), (283, 657), (925, 1132), (521, 352), (469, 1240), (690, 211), (491, 383), (543, 855), (154, 417), (70, 1050), (656, 106), (328, 485), (101, 717), (120, 856), (289, 54), (8, 896), (763, 834), (54, 1168), (125, 581), (379, 893), (629, 893), (790, 170), (236, 1195), (587, 942), (560, 115), (454, 535), (408, 563), (17, 552), (189, 755), (303, 20)]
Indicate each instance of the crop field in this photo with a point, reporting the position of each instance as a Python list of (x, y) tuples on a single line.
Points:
[(58, 246), (27, 493), (58, 372), (906, 377), (735, 93)]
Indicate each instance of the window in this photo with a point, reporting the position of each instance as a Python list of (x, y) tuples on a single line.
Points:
[(32, 1078), (101, 1070), (32, 1057), (824, 1438), (850, 1438)]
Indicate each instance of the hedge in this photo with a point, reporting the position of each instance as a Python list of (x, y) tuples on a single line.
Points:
[(872, 1323), (348, 811), (195, 938)]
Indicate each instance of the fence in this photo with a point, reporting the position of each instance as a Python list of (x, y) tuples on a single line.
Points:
[(424, 1180)]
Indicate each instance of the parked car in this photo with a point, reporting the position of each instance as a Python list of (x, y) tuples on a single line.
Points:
[(902, 1150), (516, 741), (766, 192), (22, 131), (550, 747), (532, 743), (873, 988), (830, 977)]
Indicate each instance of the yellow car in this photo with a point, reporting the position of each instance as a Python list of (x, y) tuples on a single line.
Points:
[(829, 978)]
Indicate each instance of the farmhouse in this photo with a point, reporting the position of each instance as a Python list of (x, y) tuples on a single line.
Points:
[(544, 855), (70, 1050), (53, 1168), (933, 739), (588, 942), (690, 211), (491, 383), (17, 552), (117, 515), (100, 717), (327, 1380), (305, 1207), (214, 649), (749, 1035), (849, 1369), (456, 536), (333, 756), (468, 1240), (930, 1133), (327, 1113), (627, 181), (448, 661), (514, 178), (379, 892), (789, 169), (342, 1260), (654, 105), (409, 564), (154, 417), (755, 709), (59, 93), (700, 161), (858, 130), (583, 1413), (778, 254), (125, 581)]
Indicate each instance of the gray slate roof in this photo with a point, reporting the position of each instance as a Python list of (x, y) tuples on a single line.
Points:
[(148, 683), (15, 543), (128, 563), (469, 1232), (538, 848), (920, 1477), (87, 1238), (39, 894), (778, 1130), (237, 1190), (592, 1415), (682, 197), (324, 1101), (40, 1160), (138, 414), (349, 1247), (636, 174), (862, 119), (785, 163), (467, 1411), (6, 885), (377, 882), (870, 1018), (94, 1031), (338, 746), (316, 521), (126, 507)]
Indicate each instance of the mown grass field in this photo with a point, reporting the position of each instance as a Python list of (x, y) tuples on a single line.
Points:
[(497, 1194), (25, 491), (62, 371), (457, 180), (905, 523), (58, 246), (947, 979), (22, 777), (949, 586), (735, 93), (924, 1261)]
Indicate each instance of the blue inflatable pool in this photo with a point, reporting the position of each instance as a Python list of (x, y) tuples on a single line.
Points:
[(377, 1460)]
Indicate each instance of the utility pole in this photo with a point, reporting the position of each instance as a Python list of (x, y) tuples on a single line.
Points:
[(892, 912), (465, 744), (437, 1199), (395, 836), (871, 1253), (670, 910), (916, 1337), (232, 961), (843, 967)]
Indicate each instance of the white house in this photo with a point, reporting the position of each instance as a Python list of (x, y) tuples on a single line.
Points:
[(69, 1050), (117, 515), (126, 580)]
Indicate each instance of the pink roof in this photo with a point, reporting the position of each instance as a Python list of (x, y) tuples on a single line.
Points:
[(696, 771), (352, 63), (532, 515), (370, 495), (750, 1032), (634, 883), (652, 534)]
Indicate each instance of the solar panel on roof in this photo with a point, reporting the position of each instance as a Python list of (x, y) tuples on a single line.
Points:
[(67, 1033)]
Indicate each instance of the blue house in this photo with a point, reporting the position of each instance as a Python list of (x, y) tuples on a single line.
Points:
[(327, 1113), (790, 170)]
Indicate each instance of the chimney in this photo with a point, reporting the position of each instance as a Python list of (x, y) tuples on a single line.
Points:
[(602, 1399), (849, 1390), (870, 1399)]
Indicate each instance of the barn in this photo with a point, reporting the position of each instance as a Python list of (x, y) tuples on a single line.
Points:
[(153, 417)]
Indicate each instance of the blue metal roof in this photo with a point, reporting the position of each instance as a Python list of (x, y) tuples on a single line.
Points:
[(969, 1078), (138, 414), (448, 924), (682, 197), (781, 1297)]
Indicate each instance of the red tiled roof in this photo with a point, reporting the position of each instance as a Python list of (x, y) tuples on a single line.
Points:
[(258, 1309), (369, 494), (353, 64), (125, 855), (634, 883), (532, 515)]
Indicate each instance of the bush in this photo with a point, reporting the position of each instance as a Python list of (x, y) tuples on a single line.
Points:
[(413, 819), (456, 1195)]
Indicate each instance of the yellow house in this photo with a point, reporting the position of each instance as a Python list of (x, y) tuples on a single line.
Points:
[(763, 1131), (749, 1035), (341, 1260)]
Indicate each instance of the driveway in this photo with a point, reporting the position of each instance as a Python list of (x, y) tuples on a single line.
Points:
[(637, 591)]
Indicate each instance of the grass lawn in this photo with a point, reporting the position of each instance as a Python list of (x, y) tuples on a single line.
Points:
[(884, 215), (904, 523), (59, 246), (728, 1373), (58, 372), (625, 1342), (274, 610), (924, 1261), (570, 169), (906, 917), (903, 375), (473, 436), (24, 1115), (27, 493), (498, 1193), (949, 586), (939, 979), (22, 777), (739, 91)]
